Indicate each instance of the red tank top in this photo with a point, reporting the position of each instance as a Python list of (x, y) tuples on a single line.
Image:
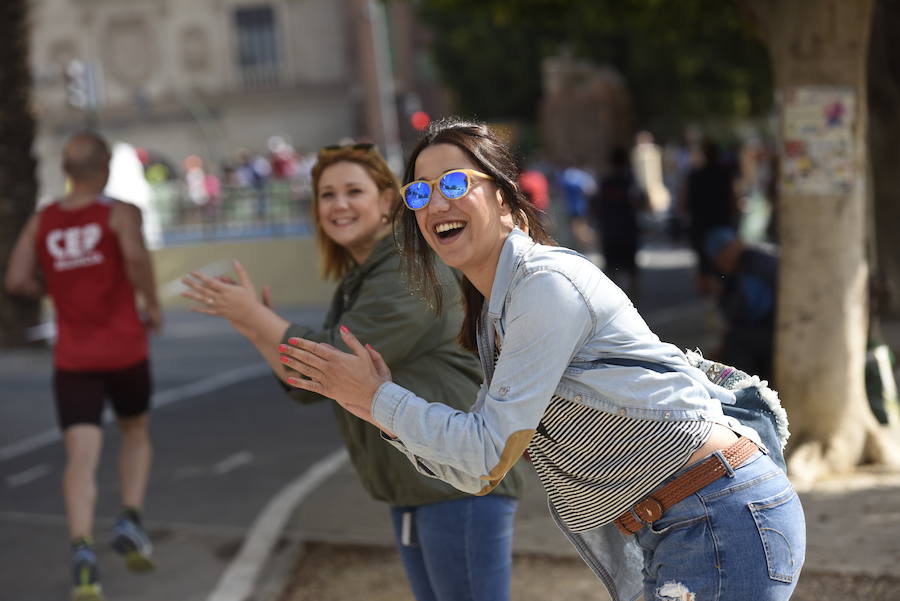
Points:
[(97, 323)]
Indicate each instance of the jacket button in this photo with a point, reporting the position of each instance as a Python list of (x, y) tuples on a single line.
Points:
[(577, 398), (622, 412), (667, 415), (504, 390)]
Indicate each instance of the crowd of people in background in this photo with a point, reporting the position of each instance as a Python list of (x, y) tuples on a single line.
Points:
[(248, 182), (715, 199)]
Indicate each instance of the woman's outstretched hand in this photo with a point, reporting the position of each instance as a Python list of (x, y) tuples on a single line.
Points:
[(236, 301), (351, 379)]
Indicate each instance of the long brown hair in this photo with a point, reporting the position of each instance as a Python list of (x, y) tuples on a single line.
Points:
[(335, 260), (492, 156)]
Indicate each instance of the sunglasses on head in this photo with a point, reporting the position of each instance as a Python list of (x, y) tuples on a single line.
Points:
[(362, 147), (452, 184)]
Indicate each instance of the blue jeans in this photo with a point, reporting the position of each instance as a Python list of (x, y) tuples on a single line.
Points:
[(457, 550), (743, 537)]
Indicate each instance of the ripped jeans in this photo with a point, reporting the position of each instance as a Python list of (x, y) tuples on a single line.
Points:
[(742, 537)]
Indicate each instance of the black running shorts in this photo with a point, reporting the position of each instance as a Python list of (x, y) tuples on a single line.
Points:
[(80, 394)]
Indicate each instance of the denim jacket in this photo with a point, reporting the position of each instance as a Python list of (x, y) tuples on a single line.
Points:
[(564, 329)]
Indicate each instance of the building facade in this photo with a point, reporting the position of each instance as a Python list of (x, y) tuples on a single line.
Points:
[(206, 77)]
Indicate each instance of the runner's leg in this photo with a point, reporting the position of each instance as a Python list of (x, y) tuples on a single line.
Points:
[(83, 443), (129, 389), (135, 457)]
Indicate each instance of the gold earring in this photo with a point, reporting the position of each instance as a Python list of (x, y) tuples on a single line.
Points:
[(385, 219)]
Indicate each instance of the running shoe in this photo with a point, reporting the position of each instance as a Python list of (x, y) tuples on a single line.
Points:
[(87, 576), (131, 542)]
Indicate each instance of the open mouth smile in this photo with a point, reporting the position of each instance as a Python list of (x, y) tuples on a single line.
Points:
[(449, 229)]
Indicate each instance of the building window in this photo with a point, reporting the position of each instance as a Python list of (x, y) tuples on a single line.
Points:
[(257, 46)]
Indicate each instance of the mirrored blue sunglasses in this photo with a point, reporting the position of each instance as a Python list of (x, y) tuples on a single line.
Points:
[(452, 184)]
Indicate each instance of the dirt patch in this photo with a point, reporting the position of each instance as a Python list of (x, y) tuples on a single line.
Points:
[(328, 572), (342, 572), (815, 586)]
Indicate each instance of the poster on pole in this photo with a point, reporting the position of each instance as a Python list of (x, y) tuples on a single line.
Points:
[(817, 154)]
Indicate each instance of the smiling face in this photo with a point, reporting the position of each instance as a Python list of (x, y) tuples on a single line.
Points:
[(350, 208), (466, 232)]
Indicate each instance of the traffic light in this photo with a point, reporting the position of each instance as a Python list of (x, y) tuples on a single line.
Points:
[(76, 77), (419, 120), (83, 85)]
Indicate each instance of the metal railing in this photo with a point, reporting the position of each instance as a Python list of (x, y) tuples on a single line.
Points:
[(273, 210)]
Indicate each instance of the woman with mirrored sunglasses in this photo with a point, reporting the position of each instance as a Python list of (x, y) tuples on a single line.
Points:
[(660, 492), (453, 545)]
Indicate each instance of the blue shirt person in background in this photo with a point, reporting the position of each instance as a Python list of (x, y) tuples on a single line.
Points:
[(749, 278)]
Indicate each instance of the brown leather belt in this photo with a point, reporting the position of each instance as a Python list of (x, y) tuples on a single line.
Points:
[(651, 507)]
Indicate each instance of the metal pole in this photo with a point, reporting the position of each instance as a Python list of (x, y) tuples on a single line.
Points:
[(386, 86)]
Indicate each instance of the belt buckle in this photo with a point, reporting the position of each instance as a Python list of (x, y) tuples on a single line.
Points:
[(647, 510)]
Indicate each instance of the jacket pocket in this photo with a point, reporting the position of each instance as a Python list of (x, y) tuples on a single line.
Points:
[(782, 529)]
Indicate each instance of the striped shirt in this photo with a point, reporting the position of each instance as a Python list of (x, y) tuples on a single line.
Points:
[(594, 465)]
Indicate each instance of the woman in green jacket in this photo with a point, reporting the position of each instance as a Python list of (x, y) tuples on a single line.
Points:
[(453, 546)]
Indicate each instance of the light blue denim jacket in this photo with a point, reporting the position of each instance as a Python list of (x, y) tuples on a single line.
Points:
[(559, 321)]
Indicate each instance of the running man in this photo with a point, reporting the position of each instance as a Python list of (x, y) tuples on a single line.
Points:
[(87, 252)]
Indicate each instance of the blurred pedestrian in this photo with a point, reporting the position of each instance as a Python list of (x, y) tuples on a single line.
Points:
[(578, 184), (623, 431), (709, 201), (614, 209), (282, 158), (213, 188), (646, 157), (453, 545), (195, 180), (253, 171), (87, 252), (534, 186), (747, 299)]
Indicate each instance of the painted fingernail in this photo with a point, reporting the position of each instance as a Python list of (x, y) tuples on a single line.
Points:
[(282, 348), (292, 381), (293, 341), (345, 330), (283, 359), (370, 347)]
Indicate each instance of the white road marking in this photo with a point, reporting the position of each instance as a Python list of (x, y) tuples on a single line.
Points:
[(206, 385), (232, 462), (239, 580), (29, 475), (160, 399)]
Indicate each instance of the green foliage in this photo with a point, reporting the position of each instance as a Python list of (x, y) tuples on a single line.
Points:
[(684, 60)]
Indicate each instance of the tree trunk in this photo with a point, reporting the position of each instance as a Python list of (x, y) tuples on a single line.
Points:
[(18, 186), (884, 98), (818, 51)]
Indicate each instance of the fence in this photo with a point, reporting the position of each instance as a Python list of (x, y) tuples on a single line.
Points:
[(237, 212)]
